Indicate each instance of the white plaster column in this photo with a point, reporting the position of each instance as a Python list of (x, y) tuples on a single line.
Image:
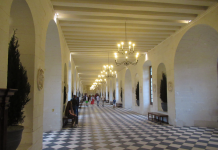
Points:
[(107, 92), (111, 90), (101, 89)]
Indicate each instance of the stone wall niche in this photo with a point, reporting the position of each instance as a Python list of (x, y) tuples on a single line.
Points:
[(21, 20), (196, 78)]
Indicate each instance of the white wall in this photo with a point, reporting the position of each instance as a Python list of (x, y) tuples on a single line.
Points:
[(196, 78), (52, 118), (165, 53), (128, 90)]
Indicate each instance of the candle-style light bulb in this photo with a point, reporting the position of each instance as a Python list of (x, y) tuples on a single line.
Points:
[(122, 43), (118, 47)]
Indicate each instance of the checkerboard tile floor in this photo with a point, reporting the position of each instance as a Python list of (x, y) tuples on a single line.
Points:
[(105, 128)]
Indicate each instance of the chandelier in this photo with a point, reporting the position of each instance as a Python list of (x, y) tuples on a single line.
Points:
[(108, 71), (126, 62), (101, 79), (126, 51), (93, 87)]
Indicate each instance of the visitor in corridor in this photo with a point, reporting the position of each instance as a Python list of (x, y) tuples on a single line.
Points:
[(92, 100), (98, 99), (102, 99), (69, 112), (87, 100), (75, 104), (114, 103)]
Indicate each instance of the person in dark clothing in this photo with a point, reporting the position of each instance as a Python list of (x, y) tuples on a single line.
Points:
[(75, 104), (69, 112)]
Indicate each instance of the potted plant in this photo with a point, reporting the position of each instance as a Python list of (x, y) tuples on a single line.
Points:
[(121, 94), (137, 94), (17, 79), (163, 92)]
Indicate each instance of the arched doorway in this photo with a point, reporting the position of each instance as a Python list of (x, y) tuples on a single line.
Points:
[(196, 77), (128, 90), (21, 20), (52, 83)]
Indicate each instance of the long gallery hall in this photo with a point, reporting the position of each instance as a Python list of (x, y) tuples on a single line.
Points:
[(153, 63), (105, 128)]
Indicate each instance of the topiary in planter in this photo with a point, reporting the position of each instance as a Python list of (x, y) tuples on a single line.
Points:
[(137, 94), (163, 92), (121, 94), (17, 79)]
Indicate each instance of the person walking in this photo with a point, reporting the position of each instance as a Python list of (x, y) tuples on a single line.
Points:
[(92, 100), (87, 100), (75, 104), (114, 103), (98, 99)]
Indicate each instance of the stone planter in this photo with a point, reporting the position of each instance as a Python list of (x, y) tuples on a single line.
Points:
[(164, 106), (137, 102), (14, 135)]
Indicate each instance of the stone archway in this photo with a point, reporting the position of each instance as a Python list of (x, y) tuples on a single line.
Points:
[(195, 77), (52, 115), (21, 19), (128, 90)]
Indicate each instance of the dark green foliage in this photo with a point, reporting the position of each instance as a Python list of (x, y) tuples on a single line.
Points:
[(65, 95), (17, 79), (121, 94), (137, 93), (163, 88), (114, 94)]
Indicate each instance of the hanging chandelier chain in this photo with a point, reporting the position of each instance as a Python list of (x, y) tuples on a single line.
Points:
[(125, 33)]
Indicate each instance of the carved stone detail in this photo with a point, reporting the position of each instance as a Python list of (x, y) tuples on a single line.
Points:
[(40, 79)]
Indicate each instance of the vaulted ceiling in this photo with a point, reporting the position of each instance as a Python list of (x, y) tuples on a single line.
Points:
[(93, 28)]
